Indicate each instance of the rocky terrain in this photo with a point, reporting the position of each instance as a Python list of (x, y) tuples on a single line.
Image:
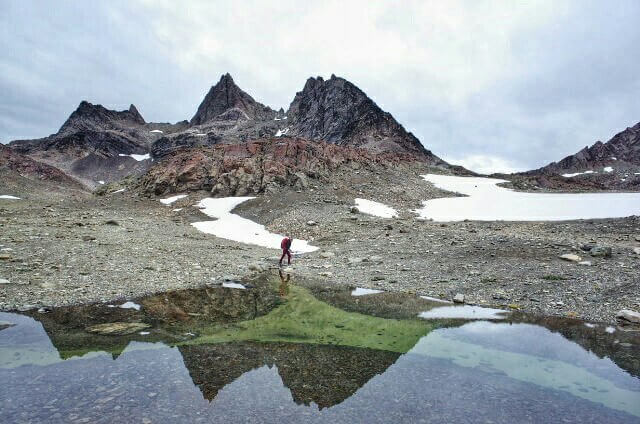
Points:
[(61, 248)]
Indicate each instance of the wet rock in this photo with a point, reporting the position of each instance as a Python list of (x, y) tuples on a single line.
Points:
[(354, 209), (570, 257), (627, 316), (600, 251), (458, 298), (117, 328)]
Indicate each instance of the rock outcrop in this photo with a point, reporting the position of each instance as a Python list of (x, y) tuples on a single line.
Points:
[(256, 166)]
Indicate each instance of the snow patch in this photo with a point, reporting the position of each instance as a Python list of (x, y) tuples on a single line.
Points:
[(144, 333), (607, 169), (485, 201), (156, 131), (234, 227), (130, 305), (434, 299), (375, 208), (176, 210), (577, 173), (118, 191), (100, 182), (463, 312), (6, 196), (361, 291), (139, 158), (170, 200), (588, 324), (233, 286), (282, 132), (610, 330)]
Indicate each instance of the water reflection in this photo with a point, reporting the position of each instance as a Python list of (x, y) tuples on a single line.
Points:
[(225, 355)]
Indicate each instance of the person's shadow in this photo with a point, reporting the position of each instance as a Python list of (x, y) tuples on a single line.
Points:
[(284, 283)]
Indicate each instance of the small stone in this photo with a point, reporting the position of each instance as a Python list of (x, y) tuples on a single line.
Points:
[(354, 260), (5, 256), (88, 238), (458, 298), (636, 250), (570, 257), (327, 254), (111, 222), (587, 247), (628, 316), (326, 274), (388, 227), (3, 281), (256, 267), (312, 223), (354, 209), (585, 263), (601, 251), (377, 278)]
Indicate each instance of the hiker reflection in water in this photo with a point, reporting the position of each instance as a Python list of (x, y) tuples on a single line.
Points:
[(284, 284)]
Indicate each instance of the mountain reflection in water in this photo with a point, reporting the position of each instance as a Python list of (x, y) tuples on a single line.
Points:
[(280, 352)]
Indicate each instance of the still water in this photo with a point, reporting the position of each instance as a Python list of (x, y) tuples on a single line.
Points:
[(278, 351)]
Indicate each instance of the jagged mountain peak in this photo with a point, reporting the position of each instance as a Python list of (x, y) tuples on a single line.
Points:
[(225, 96), (88, 116), (337, 111)]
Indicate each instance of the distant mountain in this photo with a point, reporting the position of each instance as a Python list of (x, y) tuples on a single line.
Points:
[(620, 153), (338, 112), (95, 143), (226, 100)]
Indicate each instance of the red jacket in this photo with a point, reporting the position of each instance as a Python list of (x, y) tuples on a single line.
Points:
[(285, 244)]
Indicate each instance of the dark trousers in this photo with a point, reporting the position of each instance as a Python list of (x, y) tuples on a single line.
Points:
[(286, 252)]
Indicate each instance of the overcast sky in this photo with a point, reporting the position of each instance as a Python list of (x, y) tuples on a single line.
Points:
[(495, 86)]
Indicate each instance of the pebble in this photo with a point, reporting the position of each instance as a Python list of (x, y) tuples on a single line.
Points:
[(570, 257)]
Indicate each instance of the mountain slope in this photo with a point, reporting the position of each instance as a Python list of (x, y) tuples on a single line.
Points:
[(622, 152)]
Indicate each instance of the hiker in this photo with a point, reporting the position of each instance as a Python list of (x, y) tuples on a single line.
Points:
[(285, 245)]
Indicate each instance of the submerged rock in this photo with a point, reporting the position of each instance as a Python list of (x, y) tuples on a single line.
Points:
[(117, 328)]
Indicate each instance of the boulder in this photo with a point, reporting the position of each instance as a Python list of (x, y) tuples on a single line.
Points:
[(636, 250), (627, 316), (458, 298), (354, 209), (117, 328), (312, 223), (600, 251), (570, 257)]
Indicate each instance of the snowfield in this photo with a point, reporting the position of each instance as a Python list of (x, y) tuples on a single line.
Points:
[(170, 200), (486, 201), (234, 227), (6, 196), (375, 208)]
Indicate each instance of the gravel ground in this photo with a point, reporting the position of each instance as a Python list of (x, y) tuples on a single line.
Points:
[(61, 248)]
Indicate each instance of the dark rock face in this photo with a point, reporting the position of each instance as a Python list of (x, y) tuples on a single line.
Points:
[(253, 167), (88, 117), (226, 101), (622, 151), (336, 111)]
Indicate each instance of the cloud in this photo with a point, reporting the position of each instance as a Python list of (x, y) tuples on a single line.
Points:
[(484, 164), (524, 83)]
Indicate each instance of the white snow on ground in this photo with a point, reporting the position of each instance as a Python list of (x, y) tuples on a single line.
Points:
[(614, 158), (607, 169), (100, 182), (233, 286), (610, 330), (144, 333), (234, 227), (282, 132), (590, 325), (360, 291), (156, 131), (463, 312), (118, 191), (170, 200), (486, 201), (130, 305), (137, 157), (201, 135), (177, 210), (577, 173), (6, 196), (375, 208)]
